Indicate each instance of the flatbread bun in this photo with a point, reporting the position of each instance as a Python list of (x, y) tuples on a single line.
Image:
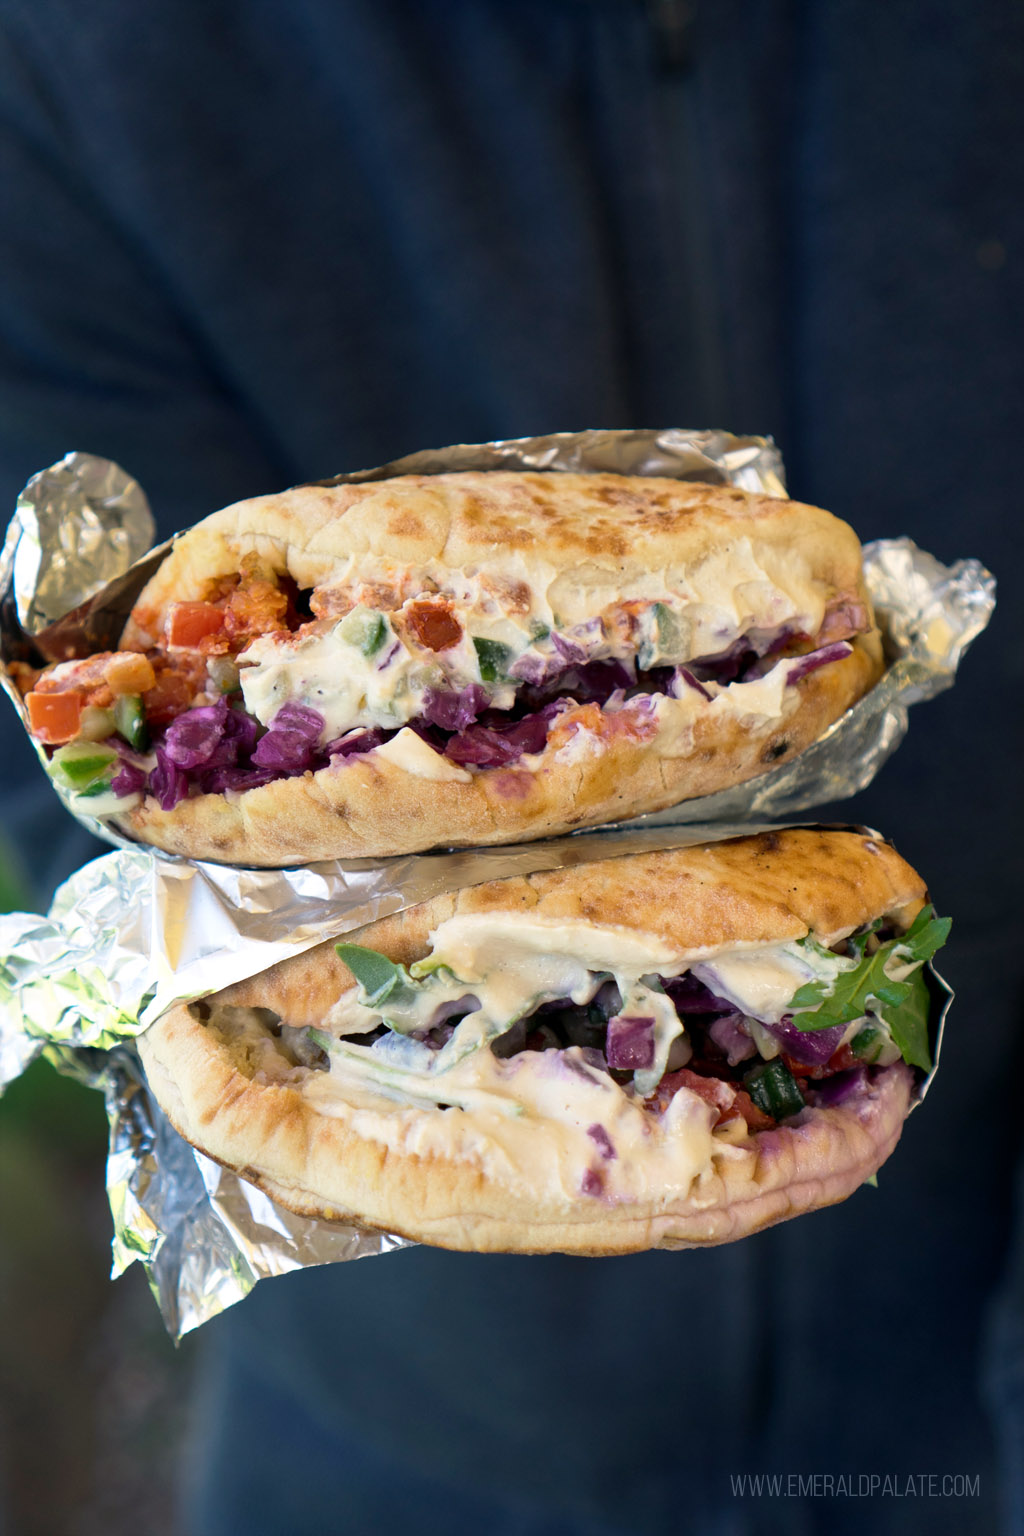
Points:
[(583, 541), (477, 1179)]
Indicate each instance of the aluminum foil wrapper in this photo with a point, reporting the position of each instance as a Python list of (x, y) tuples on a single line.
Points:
[(928, 613), (77, 988)]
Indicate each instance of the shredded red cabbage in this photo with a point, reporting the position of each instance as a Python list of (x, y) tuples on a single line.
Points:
[(167, 782), (355, 742), (630, 1043), (217, 747), (815, 659), (454, 711), (836, 1090), (729, 1035), (691, 996), (602, 1141), (128, 780), (811, 1046)]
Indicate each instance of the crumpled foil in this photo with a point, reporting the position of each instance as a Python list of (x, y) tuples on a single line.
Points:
[(928, 613), (136, 931)]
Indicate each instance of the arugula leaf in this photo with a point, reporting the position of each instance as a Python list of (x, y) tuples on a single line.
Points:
[(908, 1023), (902, 1004), (381, 979)]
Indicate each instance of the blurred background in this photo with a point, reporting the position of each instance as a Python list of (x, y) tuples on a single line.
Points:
[(248, 244)]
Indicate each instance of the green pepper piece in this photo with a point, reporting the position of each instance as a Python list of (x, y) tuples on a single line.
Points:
[(376, 634), (774, 1090), (365, 629), (492, 658), (130, 720), (82, 763)]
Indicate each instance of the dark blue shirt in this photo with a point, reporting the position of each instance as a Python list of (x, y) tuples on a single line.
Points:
[(244, 244)]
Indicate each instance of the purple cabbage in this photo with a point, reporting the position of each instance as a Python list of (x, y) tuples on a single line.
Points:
[(454, 711), (837, 1089), (491, 746), (730, 1036), (128, 780), (686, 676), (570, 651), (216, 781), (531, 668), (483, 748), (292, 742), (691, 996), (602, 1141), (811, 1046), (815, 659), (191, 740), (167, 782), (355, 742), (630, 1043)]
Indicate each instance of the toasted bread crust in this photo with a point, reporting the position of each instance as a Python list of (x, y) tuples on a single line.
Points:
[(434, 1175)]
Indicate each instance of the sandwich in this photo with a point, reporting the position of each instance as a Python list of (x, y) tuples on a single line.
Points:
[(468, 658), (660, 1050)]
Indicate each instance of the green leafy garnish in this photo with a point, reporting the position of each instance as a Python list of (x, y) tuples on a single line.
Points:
[(492, 658), (380, 979), (872, 1179), (902, 1004)]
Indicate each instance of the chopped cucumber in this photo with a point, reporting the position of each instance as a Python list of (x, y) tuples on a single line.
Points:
[(130, 718), (869, 1043), (101, 787), (664, 639), (82, 763), (492, 658), (774, 1090), (365, 629), (96, 724)]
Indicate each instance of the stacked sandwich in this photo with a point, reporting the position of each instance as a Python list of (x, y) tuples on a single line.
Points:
[(652, 1049)]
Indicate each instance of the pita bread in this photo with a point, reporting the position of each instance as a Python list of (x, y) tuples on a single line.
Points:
[(480, 1178), (579, 545)]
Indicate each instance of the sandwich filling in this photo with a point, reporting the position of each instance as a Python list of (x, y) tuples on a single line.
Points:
[(616, 1043), (259, 681)]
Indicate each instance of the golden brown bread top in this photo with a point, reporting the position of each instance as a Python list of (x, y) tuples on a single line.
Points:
[(770, 888), (553, 531)]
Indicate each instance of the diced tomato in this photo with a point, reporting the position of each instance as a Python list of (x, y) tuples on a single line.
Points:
[(177, 684), (434, 625), (720, 1095), (54, 718), (756, 1118), (629, 723), (188, 623), (841, 1060)]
